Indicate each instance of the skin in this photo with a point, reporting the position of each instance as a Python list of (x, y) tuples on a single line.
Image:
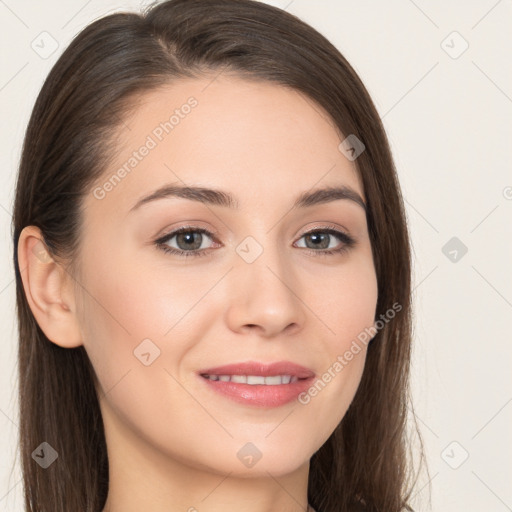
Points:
[(172, 442)]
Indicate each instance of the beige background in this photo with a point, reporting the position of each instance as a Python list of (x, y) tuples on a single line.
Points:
[(448, 114)]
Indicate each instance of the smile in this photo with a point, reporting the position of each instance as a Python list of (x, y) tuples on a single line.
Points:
[(255, 379)]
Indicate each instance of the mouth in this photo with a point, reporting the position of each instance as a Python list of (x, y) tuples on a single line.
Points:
[(260, 369), (253, 380), (259, 384)]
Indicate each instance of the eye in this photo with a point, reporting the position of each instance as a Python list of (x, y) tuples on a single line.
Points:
[(321, 239), (189, 241)]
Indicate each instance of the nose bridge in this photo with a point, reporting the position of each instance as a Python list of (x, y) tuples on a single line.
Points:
[(267, 270), (262, 282), (262, 260)]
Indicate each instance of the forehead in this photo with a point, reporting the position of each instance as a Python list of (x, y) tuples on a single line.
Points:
[(250, 137)]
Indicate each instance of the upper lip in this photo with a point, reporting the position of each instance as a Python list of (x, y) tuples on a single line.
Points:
[(260, 368)]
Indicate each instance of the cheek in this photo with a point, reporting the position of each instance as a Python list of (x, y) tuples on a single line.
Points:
[(348, 302), (131, 307), (348, 310)]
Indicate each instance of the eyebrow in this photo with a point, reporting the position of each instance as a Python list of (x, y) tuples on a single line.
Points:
[(221, 198)]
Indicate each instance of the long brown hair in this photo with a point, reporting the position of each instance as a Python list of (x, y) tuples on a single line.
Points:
[(89, 90)]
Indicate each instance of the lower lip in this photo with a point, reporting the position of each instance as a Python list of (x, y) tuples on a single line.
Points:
[(259, 395)]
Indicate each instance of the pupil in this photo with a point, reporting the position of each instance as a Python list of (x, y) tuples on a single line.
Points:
[(318, 239), (187, 238)]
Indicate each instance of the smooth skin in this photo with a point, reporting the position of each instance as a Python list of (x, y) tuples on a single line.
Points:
[(172, 441)]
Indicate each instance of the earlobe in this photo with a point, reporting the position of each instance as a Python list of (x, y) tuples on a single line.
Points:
[(48, 291)]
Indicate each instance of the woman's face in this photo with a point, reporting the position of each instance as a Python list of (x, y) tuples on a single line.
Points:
[(254, 286)]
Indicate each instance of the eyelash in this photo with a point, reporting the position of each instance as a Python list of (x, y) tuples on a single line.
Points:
[(348, 241)]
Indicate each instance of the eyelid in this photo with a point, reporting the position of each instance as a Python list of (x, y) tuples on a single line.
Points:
[(184, 227), (168, 235), (326, 226)]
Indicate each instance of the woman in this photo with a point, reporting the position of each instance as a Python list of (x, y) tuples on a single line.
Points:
[(272, 374)]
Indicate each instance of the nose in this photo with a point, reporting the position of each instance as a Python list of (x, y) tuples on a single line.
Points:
[(265, 296)]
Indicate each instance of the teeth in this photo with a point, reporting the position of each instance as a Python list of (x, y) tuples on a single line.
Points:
[(251, 379), (277, 379), (273, 380)]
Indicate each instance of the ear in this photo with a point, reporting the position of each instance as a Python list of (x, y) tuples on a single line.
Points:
[(49, 291)]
